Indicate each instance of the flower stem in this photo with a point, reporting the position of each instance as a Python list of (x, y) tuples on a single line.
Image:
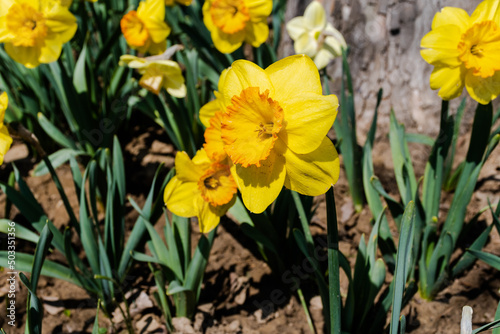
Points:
[(333, 263), (306, 310)]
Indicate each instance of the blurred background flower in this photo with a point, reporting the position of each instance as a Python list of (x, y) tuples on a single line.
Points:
[(157, 73), (34, 31), (145, 29), (314, 36), (232, 22)]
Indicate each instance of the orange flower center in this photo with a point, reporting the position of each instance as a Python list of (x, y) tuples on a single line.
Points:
[(134, 29), (479, 48), (26, 23), (230, 16), (217, 186), (251, 126)]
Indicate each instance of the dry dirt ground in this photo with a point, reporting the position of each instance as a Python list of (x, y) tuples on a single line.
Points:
[(237, 280)]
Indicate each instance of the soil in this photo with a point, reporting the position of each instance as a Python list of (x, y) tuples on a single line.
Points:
[(237, 280)]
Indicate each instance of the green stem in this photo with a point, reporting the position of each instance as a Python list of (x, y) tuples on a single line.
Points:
[(303, 219), (306, 310), (333, 263)]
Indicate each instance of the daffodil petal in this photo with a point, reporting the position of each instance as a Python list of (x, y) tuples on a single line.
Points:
[(151, 10), (441, 44), (315, 15), (180, 196), (294, 76), (61, 23), (50, 51), (314, 173), (323, 57), (451, 15), (296, 27), (227, 43), (259, 10), (260, 186), (5, 142), (256, 33), (25, 55), (4, 101), (308, 119), (449, 81), (483, 90), (174, 82), (158, 31), (306, 44), (208, 111), (208, 219), (209, 215), (244, 74), (186, 169), (132, 61), (487, 10)]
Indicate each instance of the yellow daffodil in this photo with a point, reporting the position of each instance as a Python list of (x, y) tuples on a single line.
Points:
[(170, 3), (465, 51), (201, 188), (274, 125), (145, 29), (5, 139), (314, 36), (157, 73), (35, 30), (232, 22)]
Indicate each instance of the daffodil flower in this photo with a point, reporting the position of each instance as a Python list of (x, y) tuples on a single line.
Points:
[(201, 188), (465, 51), (314, 36), (232, 22), (34, 31), (145, 29), (157, 73), (274, 125), (5, 139)]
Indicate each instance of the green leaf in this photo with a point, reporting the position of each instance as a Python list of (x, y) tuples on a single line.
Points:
[(87, 229), (139, 228), (467, 259), (403, 263), (491, 325), (403, 168), (490, 259), (95, 327), (80, 75), (20, 231), (196, 269), (24, 263), (419, 138), (57, 159), (54, 133), (141, 257), (434, 169), (34, 309), (41, 250)]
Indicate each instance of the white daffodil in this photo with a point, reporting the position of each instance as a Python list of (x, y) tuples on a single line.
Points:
[(315, 37)]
